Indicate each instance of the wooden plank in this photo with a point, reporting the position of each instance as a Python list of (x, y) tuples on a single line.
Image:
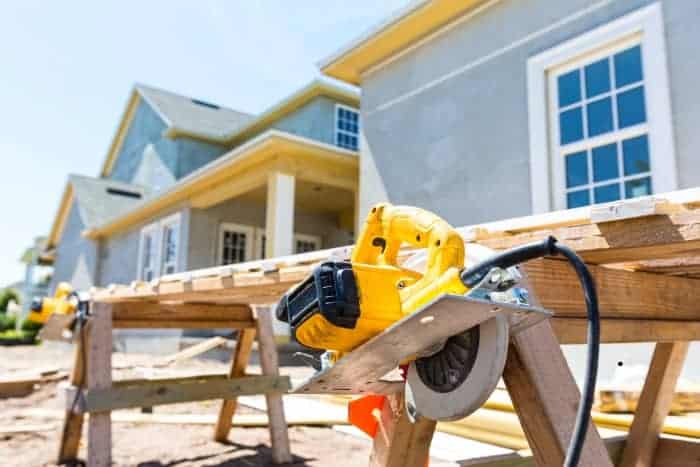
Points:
[(644, 238), (364, 369), (18, 387), (153, 311), (546, 397), (626, 400), (654, 403), (239, 362), (99, 378), (669, 453), (573, 330), (182, 324), (72, 421), (55, 328), (632, 208), (398, 442), (267, 350), (176, 391), (620, 293), (195, 350), (19, 429)]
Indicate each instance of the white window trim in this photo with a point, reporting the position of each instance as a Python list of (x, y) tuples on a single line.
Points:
[(170, 221), (337, 131), (150, 229), (259, 234), (248, 230), (307, 238), (647, 23), (157, 230)]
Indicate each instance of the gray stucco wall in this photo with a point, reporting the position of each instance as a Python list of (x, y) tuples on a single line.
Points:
[(315, 120), (205, 224), (460, 147), (76, 256), (180, 156)]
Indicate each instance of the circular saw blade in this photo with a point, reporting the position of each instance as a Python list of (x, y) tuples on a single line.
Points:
[(458, 379)]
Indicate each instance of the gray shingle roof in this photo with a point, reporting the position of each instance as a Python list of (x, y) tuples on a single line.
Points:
[(100, 199), (192, 115)]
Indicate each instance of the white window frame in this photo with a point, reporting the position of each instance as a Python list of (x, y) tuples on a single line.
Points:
[(307, 238), (248, 230), (259, 241), (337, 131), (174, 223), (547, 175), (157, 229)]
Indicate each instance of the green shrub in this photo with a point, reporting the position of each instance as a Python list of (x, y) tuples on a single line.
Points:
[(7, 322), (31, 326), (5, 296)]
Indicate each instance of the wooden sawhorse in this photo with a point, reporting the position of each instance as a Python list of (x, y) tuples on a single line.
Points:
[(93, 391)]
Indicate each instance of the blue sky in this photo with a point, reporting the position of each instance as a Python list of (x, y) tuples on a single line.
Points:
[(67, 68)]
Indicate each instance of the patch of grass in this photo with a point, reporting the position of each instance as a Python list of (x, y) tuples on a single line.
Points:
[(14, 337)]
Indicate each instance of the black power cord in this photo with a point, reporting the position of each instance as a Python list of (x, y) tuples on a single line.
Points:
[(550, 247)]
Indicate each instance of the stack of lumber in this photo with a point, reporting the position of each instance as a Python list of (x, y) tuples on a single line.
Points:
[(645, 250), (22, 384)]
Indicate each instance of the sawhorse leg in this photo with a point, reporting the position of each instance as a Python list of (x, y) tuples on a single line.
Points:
[(654, 403), (398, 442), (546, 398), (267, 349), (239, 362), (92, 368)]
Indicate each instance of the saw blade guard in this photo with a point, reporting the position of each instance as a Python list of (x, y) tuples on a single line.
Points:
[(474, 360)]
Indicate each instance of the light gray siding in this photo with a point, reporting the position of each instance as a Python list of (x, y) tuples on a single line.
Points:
[(76, 256), (205, 223), (315, 120), (457, 143)]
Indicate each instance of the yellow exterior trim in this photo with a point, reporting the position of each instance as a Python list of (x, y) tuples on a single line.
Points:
[(393, 37), (119, 137), (243, 169), (61, 217)]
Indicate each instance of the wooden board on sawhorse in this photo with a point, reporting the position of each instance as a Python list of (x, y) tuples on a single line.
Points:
[(92, 390), (543, 390)]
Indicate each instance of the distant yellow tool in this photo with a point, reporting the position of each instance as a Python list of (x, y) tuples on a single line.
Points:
[(60, 303)]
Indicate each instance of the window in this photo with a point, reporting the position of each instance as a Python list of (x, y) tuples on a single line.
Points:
[(260, 242), (170, 236), (603, 128), (148, 253), (235, 243), (599, 116), (347, 127), (159, 248), (305, 243)]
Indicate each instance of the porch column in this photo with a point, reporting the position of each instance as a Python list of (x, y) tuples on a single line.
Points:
[(279, 215)]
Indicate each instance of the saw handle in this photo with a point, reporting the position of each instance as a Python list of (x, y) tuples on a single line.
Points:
[(473, 275)]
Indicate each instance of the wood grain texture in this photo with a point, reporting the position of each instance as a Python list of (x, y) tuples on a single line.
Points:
[(176, 391), (654, 403), (398, 442), (267, 350), (546, 398), (99, 378), (621, 294), (574, 330), (239, 362), (73, 422)]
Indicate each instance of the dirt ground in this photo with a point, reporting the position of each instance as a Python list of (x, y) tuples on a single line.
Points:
[(158, 445)]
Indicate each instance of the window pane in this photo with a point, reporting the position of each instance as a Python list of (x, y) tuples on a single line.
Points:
[(576, 169), (636, 155), (605, 162), (628, 66), (569, 86), (607, 193), (571, 126), (630, 107), (640, 187), (576, 199), (597, 78), (600, 119)]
